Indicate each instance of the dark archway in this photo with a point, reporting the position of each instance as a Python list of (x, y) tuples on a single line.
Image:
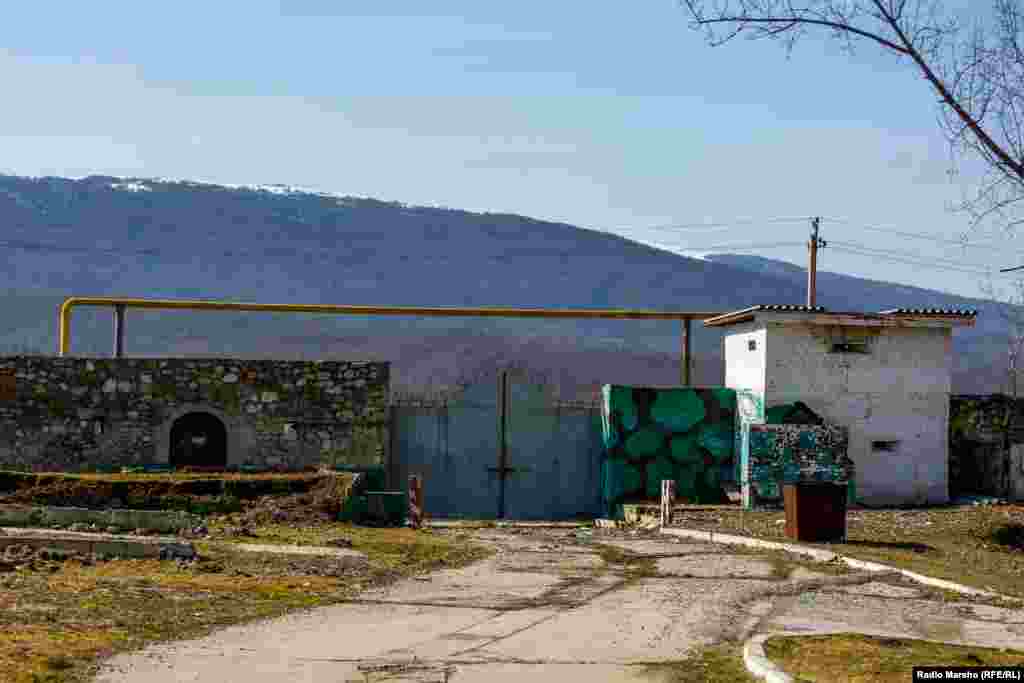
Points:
[(199, 440)]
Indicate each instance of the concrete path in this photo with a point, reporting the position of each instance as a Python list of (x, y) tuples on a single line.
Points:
[(547, 608)]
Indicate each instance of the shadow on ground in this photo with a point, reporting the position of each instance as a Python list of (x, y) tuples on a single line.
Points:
[(913, 547)]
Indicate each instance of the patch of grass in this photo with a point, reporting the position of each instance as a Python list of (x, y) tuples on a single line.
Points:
[(633, 566), (386, 548), (721, 663), (973, 545), (55, 624), (855, 657)]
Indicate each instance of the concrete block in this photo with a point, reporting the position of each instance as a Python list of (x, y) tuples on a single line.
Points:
[(162, 521), (67, 516), (349, 559), (757, 662), (99, 544)]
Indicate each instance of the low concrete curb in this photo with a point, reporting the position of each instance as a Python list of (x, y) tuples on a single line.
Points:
[(162, 521), (827, 556), (136, 547), (757, 662), (484, 524), (350, 559)]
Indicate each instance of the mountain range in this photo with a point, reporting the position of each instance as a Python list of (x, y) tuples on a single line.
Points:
[(152, 238)]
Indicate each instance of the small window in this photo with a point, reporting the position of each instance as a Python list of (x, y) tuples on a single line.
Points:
[(885, 446), (752, 345), (849, 347)]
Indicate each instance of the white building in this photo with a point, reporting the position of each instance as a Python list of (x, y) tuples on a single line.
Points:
[(885, 376)]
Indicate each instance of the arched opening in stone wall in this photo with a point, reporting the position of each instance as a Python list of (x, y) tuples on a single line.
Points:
[(198, 440)]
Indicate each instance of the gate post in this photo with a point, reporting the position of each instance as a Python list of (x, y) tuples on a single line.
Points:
[(668, 496), (415, 501)]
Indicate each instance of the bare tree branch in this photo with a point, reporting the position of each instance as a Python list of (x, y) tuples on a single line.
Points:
[(977, 73), (782, 24)]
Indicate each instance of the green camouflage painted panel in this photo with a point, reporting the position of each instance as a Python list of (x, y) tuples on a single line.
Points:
[(718, 439), (677, 433), (644, 443), (683, 449), (632, 479), (676, 410)]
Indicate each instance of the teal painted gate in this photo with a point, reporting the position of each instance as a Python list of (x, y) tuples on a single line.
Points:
[(501, 449)]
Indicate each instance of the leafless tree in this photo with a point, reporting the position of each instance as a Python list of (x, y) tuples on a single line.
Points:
[(975, 67), (1010, 308)]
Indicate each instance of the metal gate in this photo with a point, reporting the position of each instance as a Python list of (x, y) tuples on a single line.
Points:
[(501, 449)]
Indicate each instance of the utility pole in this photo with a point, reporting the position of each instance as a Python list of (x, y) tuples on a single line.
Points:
[(812, 270)]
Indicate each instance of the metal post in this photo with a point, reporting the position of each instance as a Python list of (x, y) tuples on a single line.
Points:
[(502, 444), (118, 330), (687, 354), (415, 501), (668, 497), (812, 271)]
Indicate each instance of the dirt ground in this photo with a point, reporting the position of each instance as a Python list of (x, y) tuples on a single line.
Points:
[(60, 613), (570, 605)]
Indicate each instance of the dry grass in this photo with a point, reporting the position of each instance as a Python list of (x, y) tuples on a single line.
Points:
[(979, 546), (188, 476), (197, 493), (716, 664), (57, 619), (855, 658), (386, 547)]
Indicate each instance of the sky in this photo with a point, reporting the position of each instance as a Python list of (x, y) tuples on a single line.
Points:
[(611, 116)]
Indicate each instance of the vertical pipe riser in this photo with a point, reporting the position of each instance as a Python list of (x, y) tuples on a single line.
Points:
[(502, 441), (119, 331), (686, 362)]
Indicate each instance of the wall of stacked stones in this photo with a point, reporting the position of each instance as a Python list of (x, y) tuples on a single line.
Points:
[(986, 445), (83, 414)]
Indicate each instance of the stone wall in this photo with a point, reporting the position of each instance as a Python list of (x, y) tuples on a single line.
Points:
[(986, 445), (82, 414)]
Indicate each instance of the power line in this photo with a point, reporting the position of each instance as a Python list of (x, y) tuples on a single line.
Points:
[(924, 236), (896, 252), (740, 245), (716, 226), (922, 264)]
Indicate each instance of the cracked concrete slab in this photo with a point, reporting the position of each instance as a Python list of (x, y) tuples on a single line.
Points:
[(648, 547), (991, 613), (550, 561), (545, 608), (650, 620), (802, 574), (709, 566), (481, 586), (834, 611), (883, 590)]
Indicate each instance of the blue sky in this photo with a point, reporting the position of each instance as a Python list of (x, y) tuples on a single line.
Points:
[(612, 116)]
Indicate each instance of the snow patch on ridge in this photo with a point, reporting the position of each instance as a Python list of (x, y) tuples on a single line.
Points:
[(131, 186)]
